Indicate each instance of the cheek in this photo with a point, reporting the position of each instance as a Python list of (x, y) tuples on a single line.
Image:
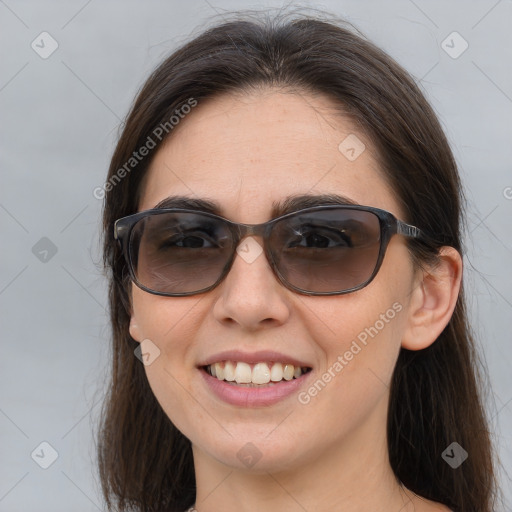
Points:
[(164, 320), (166, 326), (362, 344), (350, 390), (360, 335)]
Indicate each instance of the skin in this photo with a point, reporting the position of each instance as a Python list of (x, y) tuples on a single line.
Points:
[(245, 151)]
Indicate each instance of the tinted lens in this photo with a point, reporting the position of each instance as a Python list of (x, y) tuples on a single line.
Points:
[(327, 251), (179, 252)]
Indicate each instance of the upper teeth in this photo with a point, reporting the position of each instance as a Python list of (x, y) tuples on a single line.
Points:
[(260, 373)]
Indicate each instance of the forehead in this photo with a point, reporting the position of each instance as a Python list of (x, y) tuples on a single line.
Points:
[(248, 152)]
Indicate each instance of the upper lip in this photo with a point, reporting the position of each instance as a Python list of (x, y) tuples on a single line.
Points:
[(261, 356)]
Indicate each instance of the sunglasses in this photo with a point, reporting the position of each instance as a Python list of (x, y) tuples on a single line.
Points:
[(321, 250)]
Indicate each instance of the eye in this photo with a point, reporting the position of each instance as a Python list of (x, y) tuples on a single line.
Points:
[(192, 240), (321, 238)]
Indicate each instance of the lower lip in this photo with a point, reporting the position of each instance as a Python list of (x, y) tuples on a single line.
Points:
[(261, 396)]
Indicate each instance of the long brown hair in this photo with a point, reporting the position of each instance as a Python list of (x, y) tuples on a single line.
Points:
[(145, 463)]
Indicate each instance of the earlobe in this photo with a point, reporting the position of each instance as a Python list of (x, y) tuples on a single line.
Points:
[(433, 300), (135, 330)]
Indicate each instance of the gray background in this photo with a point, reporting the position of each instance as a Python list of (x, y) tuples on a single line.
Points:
[(60, 117)]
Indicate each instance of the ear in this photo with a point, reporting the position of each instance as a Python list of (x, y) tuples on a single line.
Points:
[(433, 300)]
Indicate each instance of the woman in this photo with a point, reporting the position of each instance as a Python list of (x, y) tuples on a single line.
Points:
[(321, 360)]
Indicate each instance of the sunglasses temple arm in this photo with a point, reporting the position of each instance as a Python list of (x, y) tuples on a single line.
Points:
[(407, 230)]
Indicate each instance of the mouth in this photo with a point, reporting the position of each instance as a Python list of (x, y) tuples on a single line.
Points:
[(254, 379), (260, 374)]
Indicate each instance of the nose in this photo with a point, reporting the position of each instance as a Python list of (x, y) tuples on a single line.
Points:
[(250, 295)]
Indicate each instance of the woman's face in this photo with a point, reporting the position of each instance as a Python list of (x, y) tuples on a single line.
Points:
[(247, 152)]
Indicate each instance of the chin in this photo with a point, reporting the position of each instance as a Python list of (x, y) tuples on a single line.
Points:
[(249, 449)]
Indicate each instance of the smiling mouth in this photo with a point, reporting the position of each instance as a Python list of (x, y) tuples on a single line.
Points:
[(253, 375)]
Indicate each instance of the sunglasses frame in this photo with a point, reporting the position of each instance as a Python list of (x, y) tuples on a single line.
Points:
[(389, 226)]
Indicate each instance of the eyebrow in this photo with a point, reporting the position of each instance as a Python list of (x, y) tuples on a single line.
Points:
[(282, 207)]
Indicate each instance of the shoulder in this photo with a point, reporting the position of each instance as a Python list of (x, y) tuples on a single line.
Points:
[(431, 506), (420, 504)]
